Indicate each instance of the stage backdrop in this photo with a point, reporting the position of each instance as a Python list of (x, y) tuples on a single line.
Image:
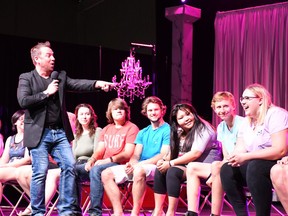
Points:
[(251, 46)]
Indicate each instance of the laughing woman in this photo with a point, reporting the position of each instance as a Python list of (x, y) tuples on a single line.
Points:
[(262, 140)]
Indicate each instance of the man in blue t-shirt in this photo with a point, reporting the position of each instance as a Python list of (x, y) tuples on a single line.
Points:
[(152, 143)]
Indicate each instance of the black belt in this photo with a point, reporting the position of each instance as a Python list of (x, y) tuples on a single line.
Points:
[(54, 127)]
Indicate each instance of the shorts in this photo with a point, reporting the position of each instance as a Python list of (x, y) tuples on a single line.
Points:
[(121, 176)]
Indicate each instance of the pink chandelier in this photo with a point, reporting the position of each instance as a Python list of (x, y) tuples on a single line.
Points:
[(131, 83)]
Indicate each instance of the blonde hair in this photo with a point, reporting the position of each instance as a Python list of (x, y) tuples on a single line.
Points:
[(261, 92), (222, 95)]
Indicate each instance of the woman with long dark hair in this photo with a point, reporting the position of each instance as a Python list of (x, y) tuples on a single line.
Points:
[(192, 139)]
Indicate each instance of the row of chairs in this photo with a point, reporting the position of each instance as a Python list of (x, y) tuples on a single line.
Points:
[(12, 187), (126, 190), (14, 197), (10, 204), (205, 199)]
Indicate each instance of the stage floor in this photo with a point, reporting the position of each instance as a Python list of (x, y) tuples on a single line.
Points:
[(205, 212)]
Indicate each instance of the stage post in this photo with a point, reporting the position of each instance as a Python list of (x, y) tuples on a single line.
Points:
[(182, 18)]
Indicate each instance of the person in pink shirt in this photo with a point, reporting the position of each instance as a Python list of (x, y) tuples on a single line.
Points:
[(115, 146)]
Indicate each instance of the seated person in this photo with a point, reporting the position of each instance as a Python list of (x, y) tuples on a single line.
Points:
[(115, 146), (279, 177), (24, 175), (262, 140), (152, 143), (86, 133), (84, 123), (192, 139), (15, 154), (223, 104)]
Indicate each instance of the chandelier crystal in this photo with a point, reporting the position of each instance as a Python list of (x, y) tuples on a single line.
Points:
[(131, 83)]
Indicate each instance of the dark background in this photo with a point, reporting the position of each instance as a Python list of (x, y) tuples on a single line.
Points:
[(91, 38)]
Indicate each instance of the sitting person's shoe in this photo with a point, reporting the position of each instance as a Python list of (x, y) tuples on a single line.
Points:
[(26, 212), (72, 214), (191, 213)]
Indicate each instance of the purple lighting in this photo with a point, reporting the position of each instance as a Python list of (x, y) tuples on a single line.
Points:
[(131, 83), (183, 1)]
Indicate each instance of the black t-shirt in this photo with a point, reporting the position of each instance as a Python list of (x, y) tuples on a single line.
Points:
[(53, 115)]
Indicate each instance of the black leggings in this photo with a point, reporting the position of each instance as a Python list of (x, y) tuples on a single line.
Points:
[(169, 182), (256, 175)]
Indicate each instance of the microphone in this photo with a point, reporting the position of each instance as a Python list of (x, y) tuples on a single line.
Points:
[(54, 76)]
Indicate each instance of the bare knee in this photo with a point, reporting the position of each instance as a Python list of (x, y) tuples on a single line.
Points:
[(139, 174), (192, 168), (18, 175), (275, 172), (107, 175), (215, 167), (23, 174)]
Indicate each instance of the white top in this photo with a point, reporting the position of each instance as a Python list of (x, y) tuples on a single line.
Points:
[(260, 138)]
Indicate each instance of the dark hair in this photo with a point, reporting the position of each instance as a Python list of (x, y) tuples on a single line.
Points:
[(117, 103), (92, 125), (176, 134), (15, 118)]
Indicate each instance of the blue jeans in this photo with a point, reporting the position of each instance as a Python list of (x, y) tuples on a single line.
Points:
[(96, 186), (81, 176), (54, 142)]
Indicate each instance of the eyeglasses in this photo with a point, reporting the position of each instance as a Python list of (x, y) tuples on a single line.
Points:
[(247, 98)]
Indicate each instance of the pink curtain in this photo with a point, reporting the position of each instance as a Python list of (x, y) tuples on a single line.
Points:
[(251, 45)]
